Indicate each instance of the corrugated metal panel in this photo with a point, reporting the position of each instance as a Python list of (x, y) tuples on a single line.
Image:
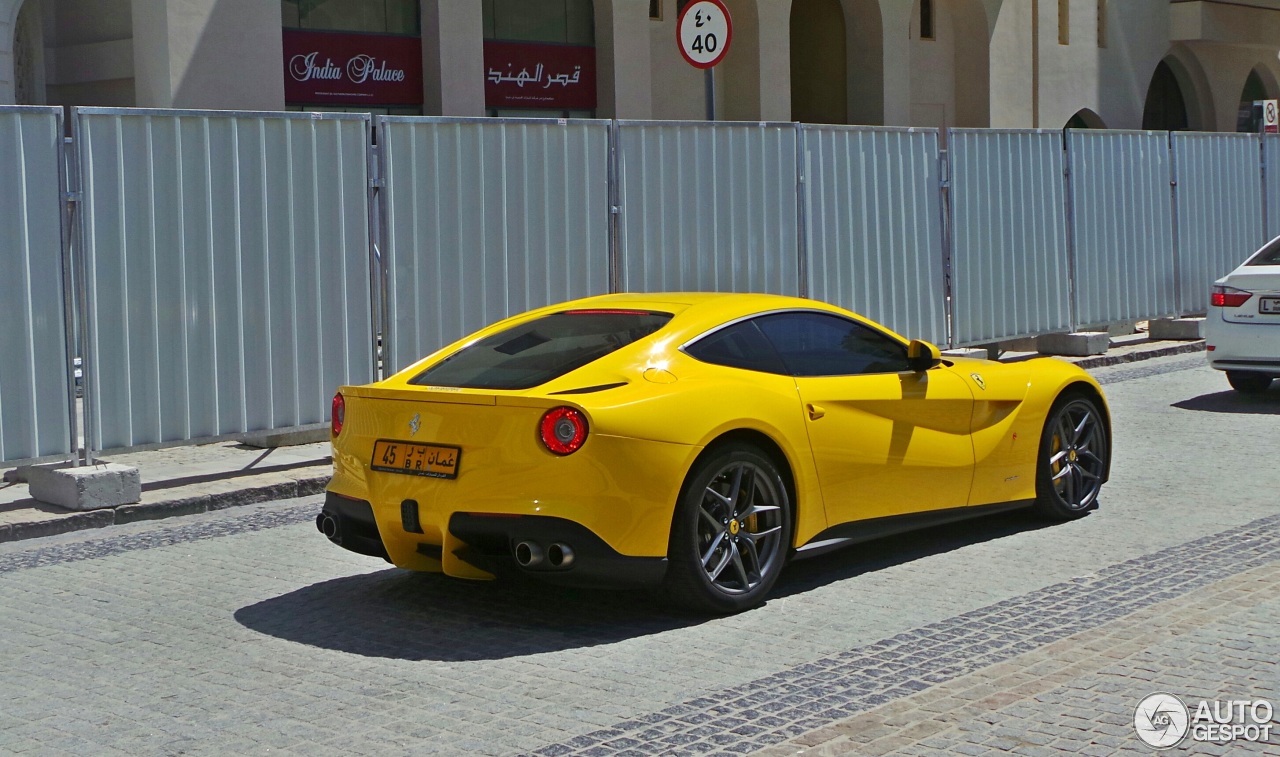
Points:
[(1009, 250), (873, 224), (34, 393), (1271, 165), (488, 218), (227, 270), (708, 207), (1122, 222), (1219, 210)]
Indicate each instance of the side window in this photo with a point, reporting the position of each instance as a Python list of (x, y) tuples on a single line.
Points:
[(738, 346), (818, 344)]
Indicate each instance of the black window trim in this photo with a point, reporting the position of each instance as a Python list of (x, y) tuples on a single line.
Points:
[(781, 311)]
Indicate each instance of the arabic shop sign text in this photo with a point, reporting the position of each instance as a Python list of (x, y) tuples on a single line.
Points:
[(530, 75)]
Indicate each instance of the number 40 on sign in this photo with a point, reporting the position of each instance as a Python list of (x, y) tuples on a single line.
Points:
[(704, 32)]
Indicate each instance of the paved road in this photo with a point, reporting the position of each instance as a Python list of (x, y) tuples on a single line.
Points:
[(243, 631)]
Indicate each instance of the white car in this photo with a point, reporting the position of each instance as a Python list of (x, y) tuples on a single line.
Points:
[(1242, 330)]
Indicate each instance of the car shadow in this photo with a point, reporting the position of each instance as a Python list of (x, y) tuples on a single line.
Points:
[(1267, 403), (402, 615)]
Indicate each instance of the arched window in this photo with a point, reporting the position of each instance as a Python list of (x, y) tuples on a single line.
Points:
[(1249, 119)]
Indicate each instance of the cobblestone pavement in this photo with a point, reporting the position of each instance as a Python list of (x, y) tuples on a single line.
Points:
[(244, 632)]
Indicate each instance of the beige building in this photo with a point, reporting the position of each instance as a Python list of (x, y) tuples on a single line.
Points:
[(1001, 63)]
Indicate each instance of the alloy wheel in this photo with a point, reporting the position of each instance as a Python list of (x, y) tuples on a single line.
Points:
[(740, 527), (1077, 454)]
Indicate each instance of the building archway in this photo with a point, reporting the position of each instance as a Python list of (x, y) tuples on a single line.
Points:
[(1256, 87), (1085, 119), (819, 64), (1175, 99), (28, 55)]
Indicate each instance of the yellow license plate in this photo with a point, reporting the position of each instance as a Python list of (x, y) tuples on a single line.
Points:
[(431, 460)]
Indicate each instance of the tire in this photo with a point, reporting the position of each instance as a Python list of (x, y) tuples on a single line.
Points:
[(730, 534), (1073, 458), (1248, 382)]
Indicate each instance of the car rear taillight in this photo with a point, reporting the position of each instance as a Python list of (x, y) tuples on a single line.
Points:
[(339, 414), (563, 430), (1228, 297)]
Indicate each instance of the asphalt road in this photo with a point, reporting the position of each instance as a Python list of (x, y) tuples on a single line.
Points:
[(245, 632)]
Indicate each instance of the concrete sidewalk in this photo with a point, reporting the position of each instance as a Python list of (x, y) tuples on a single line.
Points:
[(198, 478)]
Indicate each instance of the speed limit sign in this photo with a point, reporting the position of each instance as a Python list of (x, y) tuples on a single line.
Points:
[(704, 31)]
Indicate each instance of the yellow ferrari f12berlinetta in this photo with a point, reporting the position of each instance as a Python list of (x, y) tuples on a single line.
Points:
[(695, 443)]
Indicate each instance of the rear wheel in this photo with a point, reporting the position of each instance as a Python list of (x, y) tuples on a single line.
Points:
[(730, 533), (1074, 453), (1248, 382)]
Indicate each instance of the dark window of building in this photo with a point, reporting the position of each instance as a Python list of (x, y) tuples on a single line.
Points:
[(380, 16), (655, 10), (926, 19), (680, 5), (1064, 22), (820, 344), (1102, 23), (566, 22)]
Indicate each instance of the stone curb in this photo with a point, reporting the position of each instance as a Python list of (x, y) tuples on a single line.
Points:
[(308, 486), (303, 487)]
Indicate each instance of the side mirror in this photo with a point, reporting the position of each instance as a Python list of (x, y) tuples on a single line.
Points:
[(921, 356)]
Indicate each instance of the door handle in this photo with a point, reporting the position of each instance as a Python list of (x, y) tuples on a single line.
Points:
[(815, 412)]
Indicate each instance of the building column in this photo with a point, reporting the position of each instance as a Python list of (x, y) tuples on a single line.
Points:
[(623, 78), (8, 25), (775, 59), (452, 58), (897, 62), (224, 54)]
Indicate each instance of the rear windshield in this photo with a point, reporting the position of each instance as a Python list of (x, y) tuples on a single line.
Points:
[(1269, 255), (536, 352)]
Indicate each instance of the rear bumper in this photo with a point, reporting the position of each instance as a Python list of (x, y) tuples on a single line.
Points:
[(1234, 346), (487, 543)]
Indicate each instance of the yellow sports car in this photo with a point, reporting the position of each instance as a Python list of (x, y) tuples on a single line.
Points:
[(696, 442)]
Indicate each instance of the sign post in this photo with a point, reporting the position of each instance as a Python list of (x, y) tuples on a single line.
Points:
[(703, 33)]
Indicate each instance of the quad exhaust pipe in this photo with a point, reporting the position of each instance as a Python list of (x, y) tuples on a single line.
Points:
[(531, 556), (328, 525)]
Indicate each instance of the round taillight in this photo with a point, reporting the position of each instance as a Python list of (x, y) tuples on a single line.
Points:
[(339, 414), (563, 430)]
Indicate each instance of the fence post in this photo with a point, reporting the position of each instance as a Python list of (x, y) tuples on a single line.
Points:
[(802, 226), (1177, 242), (615, 269), (944, 208), (377, 266), (80, 265), (1069, 208), (68, 189)]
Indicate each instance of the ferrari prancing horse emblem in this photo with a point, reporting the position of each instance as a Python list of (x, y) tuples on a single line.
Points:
[(978, 380), (414, 424)]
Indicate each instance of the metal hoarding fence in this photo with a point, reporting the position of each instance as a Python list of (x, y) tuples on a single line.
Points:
[(36, 400), (1122, 226), (873, 225), (1010, 263), (485, 218), (1218, 210), (708, 207), (1271, 183), (226, 271)]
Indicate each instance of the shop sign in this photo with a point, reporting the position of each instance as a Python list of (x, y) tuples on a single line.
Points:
[(532, 75), (330, 68)]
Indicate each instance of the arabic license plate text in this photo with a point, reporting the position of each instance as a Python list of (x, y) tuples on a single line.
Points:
[(431, 460), (1269, 305)]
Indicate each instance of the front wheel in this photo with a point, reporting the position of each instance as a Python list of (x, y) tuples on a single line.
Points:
[(730, 533), (1074, 455), (1248, 382)]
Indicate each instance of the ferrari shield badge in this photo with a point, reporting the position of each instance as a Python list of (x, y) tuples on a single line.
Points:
[(977, 379)]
